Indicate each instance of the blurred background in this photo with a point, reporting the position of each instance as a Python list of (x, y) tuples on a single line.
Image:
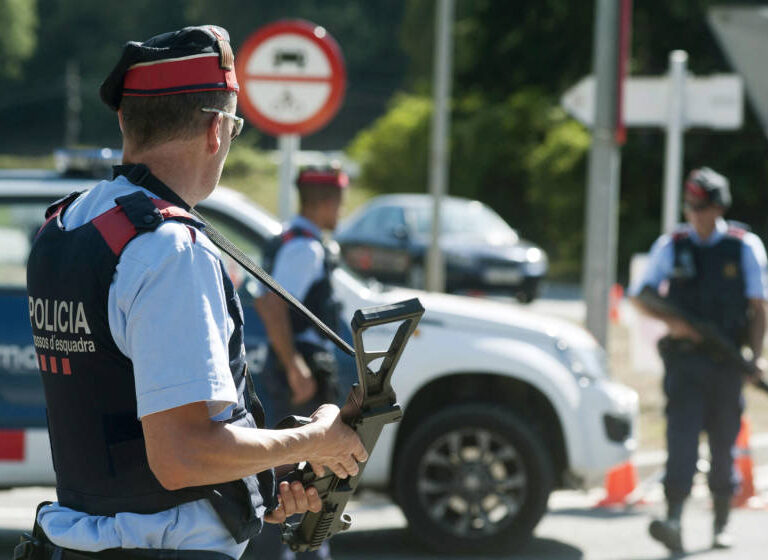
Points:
[(512, 146)]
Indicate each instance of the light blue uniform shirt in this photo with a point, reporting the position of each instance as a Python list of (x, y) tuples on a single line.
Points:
[(168, 314), (299, 263), (661, 260)]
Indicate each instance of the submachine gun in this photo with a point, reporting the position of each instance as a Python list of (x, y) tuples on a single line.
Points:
[(371, 405), (713, 342)]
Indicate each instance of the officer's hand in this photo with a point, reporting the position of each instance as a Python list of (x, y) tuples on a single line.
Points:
[(293, 498), (336, 445), (680, 328), (300, 380)]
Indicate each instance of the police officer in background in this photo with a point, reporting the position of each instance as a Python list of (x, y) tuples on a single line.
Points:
[(300, 372), (159, 449), (715, 271)]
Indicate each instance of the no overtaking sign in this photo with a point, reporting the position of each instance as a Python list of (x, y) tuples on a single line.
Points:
[(291, 76)]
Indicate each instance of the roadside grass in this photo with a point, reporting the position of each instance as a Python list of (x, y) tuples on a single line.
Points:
[(11, 161), (652, 399)]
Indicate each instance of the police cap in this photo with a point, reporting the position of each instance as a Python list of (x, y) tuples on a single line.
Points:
[(189, 60), (322, 176), (709, 187)]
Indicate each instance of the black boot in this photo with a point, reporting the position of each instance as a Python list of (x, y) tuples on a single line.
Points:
[(668, 532), (721, 537)]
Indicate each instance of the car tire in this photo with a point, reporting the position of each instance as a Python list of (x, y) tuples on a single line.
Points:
[(473, 477), (528, 291)]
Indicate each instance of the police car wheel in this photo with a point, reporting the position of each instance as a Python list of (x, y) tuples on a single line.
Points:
[(473, 477)]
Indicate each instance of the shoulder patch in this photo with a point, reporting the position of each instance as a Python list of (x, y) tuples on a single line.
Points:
[(680, 234), (736, 232)]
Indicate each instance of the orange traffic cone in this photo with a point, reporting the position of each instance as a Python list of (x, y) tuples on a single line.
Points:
[(614, 300), (620, 482), (743, 463)]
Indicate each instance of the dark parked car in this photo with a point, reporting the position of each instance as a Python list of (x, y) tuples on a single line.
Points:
[(388, 238)]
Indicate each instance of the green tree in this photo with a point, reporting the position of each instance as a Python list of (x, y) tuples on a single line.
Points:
[(17, 42)]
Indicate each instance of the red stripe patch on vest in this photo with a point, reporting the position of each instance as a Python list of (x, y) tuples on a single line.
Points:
[(12, 445), (117, 230), (65, 366), (43, 367), (189, 72), (54, 364)]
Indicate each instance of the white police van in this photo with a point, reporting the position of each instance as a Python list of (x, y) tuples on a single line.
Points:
[(501, 405)]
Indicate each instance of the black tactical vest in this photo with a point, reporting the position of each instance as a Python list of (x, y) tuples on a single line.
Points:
[(708, 283), (96, 439), (319, 299)]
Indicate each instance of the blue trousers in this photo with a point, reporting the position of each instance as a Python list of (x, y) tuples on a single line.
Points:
[(701, 396)]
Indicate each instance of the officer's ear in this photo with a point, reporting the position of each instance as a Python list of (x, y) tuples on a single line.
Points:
[(213, 133), (120, 121)]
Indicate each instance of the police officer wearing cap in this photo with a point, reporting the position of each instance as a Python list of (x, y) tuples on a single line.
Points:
[(715, 271), (160, 450), (300, 372)]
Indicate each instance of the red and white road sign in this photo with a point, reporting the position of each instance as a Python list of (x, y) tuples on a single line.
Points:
[(291, 76)]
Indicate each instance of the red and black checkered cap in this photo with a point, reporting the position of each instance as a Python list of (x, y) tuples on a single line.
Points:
[(189, 60), (709, 186), (322, 176)]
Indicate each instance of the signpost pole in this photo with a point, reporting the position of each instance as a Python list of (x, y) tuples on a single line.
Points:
[(673, 157), (439, 151), (288, 145), (603, 174)]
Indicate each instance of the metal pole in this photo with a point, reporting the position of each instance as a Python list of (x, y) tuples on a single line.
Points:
[(74, 103), (439, 152), (603, 174), (288, 145), (673, 157)]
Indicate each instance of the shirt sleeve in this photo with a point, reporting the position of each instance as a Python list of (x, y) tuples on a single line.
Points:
[(167, 313), (298, 265), (753, 264), (659, 266)]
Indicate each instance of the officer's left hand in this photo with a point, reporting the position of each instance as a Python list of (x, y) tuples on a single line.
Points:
[(293, 498)]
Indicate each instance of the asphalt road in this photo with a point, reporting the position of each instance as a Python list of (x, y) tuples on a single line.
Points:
[(573, 529)]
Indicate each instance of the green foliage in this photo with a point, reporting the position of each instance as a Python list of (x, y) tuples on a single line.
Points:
[(18, 39), (392, 152)]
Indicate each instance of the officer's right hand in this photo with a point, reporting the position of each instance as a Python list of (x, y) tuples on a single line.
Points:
[(336, 445), (680, 328), (300, 380)]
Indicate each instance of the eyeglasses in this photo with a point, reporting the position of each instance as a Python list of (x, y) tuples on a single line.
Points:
[(238, 121)]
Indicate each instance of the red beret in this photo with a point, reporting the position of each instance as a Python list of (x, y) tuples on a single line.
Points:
[(185, 61)]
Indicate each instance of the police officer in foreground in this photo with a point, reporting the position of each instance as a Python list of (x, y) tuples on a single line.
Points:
[(300, 372), (157, 444), (714, 271)]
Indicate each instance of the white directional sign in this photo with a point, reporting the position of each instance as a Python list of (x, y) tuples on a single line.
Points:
[(715, 101)]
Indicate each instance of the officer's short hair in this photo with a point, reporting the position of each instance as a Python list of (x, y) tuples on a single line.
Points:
[(152, 120), (309, 195), (318, 184)]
